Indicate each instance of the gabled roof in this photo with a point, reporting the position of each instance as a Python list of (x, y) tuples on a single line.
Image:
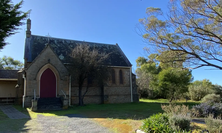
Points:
[(8, 74), (62, 48)]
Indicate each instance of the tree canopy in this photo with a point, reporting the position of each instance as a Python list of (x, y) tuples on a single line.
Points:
[(88, 67), (10, 19), (191, 29), (157, 78), (8, 63)]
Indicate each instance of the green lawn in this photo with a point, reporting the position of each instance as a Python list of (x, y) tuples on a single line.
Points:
[(11, 125), (119, 117), (138, 111)]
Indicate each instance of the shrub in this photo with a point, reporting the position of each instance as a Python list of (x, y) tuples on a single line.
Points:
[(173, 109), (157, 123), (180, 122), (213, 125), (143, 93), (205, 109), (218, 90), (211, 98), (199, 89)]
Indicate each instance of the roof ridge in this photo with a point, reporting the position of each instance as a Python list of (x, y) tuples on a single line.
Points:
[(75, 40)]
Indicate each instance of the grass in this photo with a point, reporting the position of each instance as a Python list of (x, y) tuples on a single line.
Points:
[(167, 101), (121, 118), (9, 125)]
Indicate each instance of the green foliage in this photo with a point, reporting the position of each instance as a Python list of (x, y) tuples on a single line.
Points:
[(211, 98), (157, 123), (173, 82), (179, 116), (191, 29), (140, 61), (171, 59), (10, 19), (157, 78), (180, 122), (8, 63), (146, 76), (218, 90), (213, 125), (199, 89)]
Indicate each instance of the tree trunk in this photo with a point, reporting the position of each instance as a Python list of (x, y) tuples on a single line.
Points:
[(102, 94), (80, 96), (171, 99)]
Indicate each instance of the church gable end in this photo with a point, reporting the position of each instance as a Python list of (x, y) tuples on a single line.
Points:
[(46, 60)]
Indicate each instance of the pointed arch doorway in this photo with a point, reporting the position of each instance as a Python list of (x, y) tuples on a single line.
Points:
[(48, 84)]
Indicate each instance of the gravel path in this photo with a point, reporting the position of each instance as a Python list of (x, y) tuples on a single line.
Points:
[(68, 124), (72, 123)]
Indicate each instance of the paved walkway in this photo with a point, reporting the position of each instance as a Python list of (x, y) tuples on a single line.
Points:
[(12, 113)]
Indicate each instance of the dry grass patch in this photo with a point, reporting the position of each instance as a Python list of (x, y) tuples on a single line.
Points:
[(119, 125)]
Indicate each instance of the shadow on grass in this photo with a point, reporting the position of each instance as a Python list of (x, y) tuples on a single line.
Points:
[(14, 125), (135, 111)]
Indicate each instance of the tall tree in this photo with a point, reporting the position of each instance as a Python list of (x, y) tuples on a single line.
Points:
[(8, 63), (10, 19), (147, 72), (191, 27), (172, 83), (162, 78), (88, 65)]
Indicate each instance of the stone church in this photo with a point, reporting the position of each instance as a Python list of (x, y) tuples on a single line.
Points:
[(45, 74)]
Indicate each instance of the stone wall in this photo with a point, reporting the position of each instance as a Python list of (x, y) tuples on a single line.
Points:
[(47, 59), (112, 93)]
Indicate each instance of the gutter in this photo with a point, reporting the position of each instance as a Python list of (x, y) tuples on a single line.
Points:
[(23, 98), (131, 86), (7, 79), (119, 67)]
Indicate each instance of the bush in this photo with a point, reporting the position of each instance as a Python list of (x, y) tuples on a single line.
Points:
[(143, 93), (173, 109), (180, 122), (218, 90), (211, 98), (213, 125), (157, 123), (199, 89), (179, 117), (205, 109)]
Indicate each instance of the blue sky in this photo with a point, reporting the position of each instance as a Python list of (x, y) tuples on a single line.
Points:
[(103, 21)]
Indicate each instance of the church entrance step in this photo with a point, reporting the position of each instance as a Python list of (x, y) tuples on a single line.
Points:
[(49, 104)]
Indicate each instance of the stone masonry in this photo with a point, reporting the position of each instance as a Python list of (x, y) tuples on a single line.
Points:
[(47, 59)]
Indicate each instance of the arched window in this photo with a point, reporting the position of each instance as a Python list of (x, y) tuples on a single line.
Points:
[(120, 77), (113, 76)]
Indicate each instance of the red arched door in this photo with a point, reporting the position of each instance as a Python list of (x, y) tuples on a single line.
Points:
[(48, 84)]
